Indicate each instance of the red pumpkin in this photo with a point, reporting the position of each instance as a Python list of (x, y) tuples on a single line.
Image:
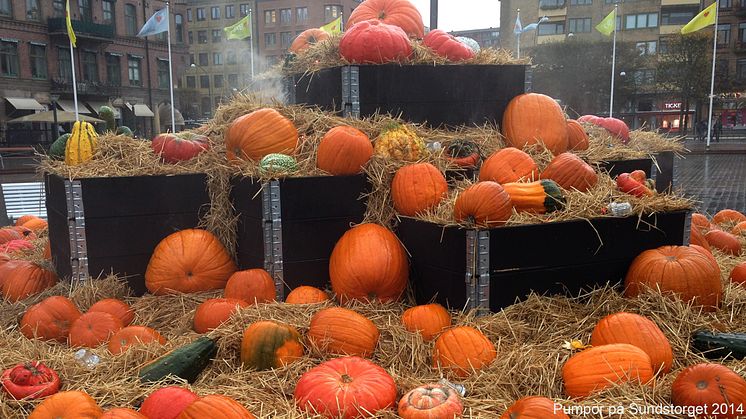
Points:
[(116, 308), (347, 388), (417, 188), (446, 45), (509, 165), (401, 13), (30, 380), (483, 203), (629, 185), (130, 336), (738, 274), (534, 407), (374, 42), (712, 385), (615, 127), (252, 285), (167, 402), (215, 406), (533, 118), (50, 319), (591, 119), (182, 146), (15, 246), (256, 134), (638, 331), (724, 242), (307, 39), (122, 413), (22, 279), (577, 138), (8, 234), (598, 368), (344, 150), (570, 172), (214, 312), (430, 401), (93, 329)]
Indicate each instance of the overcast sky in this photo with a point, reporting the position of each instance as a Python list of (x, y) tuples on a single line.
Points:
[(456, 15)]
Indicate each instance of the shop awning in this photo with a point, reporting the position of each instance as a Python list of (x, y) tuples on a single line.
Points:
[(69, 106), (95, 106), (142, 109), (48, 116), (25, 104)]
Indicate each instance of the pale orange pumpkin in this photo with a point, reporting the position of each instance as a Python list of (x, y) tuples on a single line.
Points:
[(638, 331), (463, 350), (306, 295), (417, 188), (251, 285), (509, 165), (344, 150), (427, 320), (130, 336), (342, 331), (533, 118), (67, 404), (600, 367), (264, 131)]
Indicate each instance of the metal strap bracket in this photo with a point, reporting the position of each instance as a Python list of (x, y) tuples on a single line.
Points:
[(351, 91), (687, 228), (76, 230), (477, 278), (272, 226)]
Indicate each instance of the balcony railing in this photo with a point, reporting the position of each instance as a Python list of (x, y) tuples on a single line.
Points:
[(82, 28), (85, 88)]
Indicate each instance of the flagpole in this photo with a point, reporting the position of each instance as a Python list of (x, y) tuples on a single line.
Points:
[(712, 78), (170, 70), (518, 35), (251, 44), (75, 83), (613, 62)]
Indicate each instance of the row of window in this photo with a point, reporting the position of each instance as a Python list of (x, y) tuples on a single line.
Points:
[(203, 59), (631, 22), (331, 12), (728, 4), (725, 30), (230, 12), (270, 39), (218, 81)]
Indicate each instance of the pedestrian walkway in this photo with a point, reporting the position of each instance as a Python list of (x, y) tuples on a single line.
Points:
[(723, 146), (716, 181)]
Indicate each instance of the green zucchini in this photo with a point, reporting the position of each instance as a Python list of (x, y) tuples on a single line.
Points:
[(185, 362), (57, 150), (715, 345)]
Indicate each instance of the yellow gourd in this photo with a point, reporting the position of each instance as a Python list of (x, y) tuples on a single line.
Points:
[(399, 142), (81, 145)]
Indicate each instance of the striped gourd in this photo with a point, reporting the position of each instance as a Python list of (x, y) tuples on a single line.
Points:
[(81, 144)]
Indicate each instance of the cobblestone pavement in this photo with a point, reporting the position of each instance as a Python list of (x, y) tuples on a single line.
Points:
[(717, 181)]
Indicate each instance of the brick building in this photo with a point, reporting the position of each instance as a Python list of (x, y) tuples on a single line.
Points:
[(112, 65)]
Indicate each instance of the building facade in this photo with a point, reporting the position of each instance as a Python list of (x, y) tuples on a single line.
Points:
[(486, 38), (112, 65)]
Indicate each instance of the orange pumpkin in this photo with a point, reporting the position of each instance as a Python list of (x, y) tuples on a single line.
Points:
[(570, 172), (67, 405), (35, 224), (122, 413), (25, 232), (215, 406), (533, 118), (738, 274), (306, 295), (680, 270), (24, 219), (485, 204), (130, 336), (344, 150), (214, 312), (307, 39), (47, 251), (701, 222), (342, 331), (638, 331), (368, 262), (254, 135), (509, 165), (739, 229), (401, 13), (50, 319), (116, 308), (429, 320), (712, 385), (728, 216), (9, 234), (705, 252), (533, 407), (188, 261), (252, 285), (463, 350), (22, 279), (267, 344), (724, 241), (601, 367), (577, 138), (697, 237), (93, 329), (417, 188), (430, 401)]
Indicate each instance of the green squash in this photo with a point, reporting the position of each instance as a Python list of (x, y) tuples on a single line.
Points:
[(57, 150), (123, 130), (714, 345), (107, 114), (276, 164), (185, 362)]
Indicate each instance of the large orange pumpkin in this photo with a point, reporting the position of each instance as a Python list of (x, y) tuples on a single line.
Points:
[(116, 308), (533, 118), (417, 187), (485, 204), (401, 13), (93, 329), (431, 401), (638, 331), (728, 216), (368, 262), (122, 413), (570, 172), (22, 279), (214, 312), (531, 407), (67, 405), (429, 320), (307, 39), (712, 385), (601, 367), (188, 261), (342, 331), (680, 270), (167, 402), (251, 285), (50, 319), (130, 336), (463, 350), (306, 295), (577, 138), (268, 344), (215, 406), (509, 165), (264, 131), (738, 274), (344, 150), (723, 241)]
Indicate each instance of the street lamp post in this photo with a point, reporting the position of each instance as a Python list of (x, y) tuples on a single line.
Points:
[(55, 126), (209, 85)]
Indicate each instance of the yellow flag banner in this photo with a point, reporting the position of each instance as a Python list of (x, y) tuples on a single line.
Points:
[(335, 26), (70, 32), (239, 30), (608, 25), (704, 19)]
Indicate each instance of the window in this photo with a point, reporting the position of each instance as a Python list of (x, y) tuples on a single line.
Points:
[(189, 15), (201, 37), (218, 81), (108, 15), (135, 74), (206, 106), (286, 16), (63, 64), (6, 8), (233, 81), (742, 33), (286, 38), (647, 47), (552, 28), (203, 59), (678, 15), (191, 82), (58, 8), (217, 36), (579, 25), (90, 66), (201, 13), (230, 57), (130, 19), (163, 76), (113, 70), (580, 2), (191, 59), (741, 69), (331, 12), (190, 36), (244, 10), (726, 4), (270, 40), (38, 58), (204, 82), (246, 56), (644, 77), (9, 59), (270, 17), (301, 14), (215, 12), (724, 35), (217, 58), (86, 13), (641, 21), (179, 28), (33, 11), (230, 11)]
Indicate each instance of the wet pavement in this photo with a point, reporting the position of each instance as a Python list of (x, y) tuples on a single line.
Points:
[(716, 181)]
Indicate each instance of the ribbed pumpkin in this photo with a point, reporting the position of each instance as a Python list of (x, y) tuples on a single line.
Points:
[(256, 134), (22, 279), (399, 142), (570, 172), (367, 263), (93, 329), (374, 42), (306, 295), (538, 197), (116, 308), (401, 13), (344, 150), (215, 406), (342, 331), (712, 385), (485, 204), (446, 45), (50, 319), (533, 118), (697, 237), (739, 229), (67, 405), (509, 165), (167, 402), (81, 144), (724, 241), (701, 221), (268, 344), (24, 219), (430, 401), (417, 188), (600, 367), (122, 413), (638, 331), (738, 274), (680, 270), (429, 320), (130, 336), (251, 285), (577, 138), (705, 252), (188, 261), (307, 39), (463, 350), (35, 224), (346, 388), (728, 216), (214, 312), (533, 407)]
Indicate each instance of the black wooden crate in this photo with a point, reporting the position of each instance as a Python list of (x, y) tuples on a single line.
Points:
[(113, 224), (661, 169), (617, 167), (290, 226), (444, 94), (492, 268)]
